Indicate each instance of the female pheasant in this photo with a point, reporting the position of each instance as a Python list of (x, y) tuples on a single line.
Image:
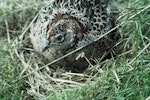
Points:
[(65, 25)]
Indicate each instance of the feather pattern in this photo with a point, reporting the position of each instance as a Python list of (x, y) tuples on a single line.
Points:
[(65, 25)]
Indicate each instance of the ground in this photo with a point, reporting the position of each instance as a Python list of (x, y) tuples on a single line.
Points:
[(125, 76)]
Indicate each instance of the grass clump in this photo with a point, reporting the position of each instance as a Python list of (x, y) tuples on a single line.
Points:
[(10, 86)]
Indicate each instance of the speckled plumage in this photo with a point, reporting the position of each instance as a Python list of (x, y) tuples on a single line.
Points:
[(65, 25)]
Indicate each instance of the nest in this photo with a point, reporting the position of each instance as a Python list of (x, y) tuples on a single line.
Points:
[(42, 80)]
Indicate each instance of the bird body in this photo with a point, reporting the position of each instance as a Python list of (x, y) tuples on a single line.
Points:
[(65, 25)]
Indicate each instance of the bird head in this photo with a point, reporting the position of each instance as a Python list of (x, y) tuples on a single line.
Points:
[(62, 36)]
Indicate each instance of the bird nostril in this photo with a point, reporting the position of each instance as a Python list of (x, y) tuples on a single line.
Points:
[(48, 43)]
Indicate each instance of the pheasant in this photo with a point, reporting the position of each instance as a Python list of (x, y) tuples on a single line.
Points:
[(65, 25)]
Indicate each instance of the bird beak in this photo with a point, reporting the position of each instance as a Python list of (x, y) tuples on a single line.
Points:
[(45, 48), (47, 45)]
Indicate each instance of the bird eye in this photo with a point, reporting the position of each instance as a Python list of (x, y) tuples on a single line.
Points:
[(59, 38)]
